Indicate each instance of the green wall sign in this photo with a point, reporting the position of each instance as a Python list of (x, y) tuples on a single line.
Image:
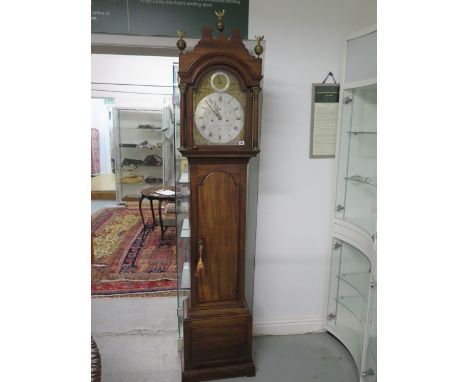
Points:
[(166, 17)]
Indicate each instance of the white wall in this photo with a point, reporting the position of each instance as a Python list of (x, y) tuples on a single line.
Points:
[(133, 70), (304, 41)]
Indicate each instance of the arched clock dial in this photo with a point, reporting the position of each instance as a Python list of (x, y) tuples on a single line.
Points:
[(219, 118)]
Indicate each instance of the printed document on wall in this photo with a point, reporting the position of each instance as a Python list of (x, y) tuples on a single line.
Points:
[(324, 120)]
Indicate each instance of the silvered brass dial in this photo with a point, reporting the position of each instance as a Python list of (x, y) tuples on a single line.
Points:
[(219, 118)]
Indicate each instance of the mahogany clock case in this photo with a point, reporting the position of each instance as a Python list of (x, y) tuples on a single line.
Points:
[(217, 323)]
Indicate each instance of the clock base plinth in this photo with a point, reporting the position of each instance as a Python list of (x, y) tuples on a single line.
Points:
[(217, 344), (221, 372)]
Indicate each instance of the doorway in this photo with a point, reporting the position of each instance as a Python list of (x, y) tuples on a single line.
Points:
[(127, 92), (102, 161)]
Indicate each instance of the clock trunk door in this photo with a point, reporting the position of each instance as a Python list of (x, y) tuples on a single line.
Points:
[(219, 210)]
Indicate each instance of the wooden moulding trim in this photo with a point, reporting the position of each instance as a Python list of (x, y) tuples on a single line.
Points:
[(183, 88), (255, 92), (218, 153), (218, 312), (250, 77), (229, 304), (189, 119), (208, 44), (220, 372)]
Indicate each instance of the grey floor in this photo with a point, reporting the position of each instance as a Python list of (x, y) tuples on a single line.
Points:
[(137, 340), (314, 357)]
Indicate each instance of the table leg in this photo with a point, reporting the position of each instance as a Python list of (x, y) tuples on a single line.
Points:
[(141, 211), (152, 214), (161, 222)]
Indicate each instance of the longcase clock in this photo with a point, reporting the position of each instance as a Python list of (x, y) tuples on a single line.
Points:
[(219, 82)]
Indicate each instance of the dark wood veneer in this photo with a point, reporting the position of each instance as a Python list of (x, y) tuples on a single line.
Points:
[(217, 321)]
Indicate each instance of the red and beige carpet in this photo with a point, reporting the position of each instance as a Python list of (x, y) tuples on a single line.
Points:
[(130, 260)]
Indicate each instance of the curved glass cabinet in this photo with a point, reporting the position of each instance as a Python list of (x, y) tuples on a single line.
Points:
[(352, 300)]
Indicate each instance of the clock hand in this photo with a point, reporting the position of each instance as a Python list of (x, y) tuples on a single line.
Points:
[(216, 112), (218, 109)]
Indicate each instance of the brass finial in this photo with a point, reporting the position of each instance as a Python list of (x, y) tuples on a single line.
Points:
[(220, 24), (258, 48), (181, 44)]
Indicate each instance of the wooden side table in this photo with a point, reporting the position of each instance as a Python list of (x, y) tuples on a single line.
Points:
[(150, 194)]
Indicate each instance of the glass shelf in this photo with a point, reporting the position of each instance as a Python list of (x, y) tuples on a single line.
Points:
[(354, 306), (357, 281), (125, 146), (143, 183), (361, 179), (361, 132), (157, 128), (367, 224), (140, 166)]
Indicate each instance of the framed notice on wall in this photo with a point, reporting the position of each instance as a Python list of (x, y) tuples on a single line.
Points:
[(324, 120)]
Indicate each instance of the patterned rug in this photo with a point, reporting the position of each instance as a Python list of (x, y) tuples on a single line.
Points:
[(130, 260)]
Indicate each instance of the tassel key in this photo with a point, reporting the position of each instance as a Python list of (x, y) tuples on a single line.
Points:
[(200, 270)]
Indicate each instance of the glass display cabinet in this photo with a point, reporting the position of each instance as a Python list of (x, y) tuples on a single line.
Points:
[(138, 151), (352, 299)]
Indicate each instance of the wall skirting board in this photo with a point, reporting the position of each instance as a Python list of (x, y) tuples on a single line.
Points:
[(284, 327)]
